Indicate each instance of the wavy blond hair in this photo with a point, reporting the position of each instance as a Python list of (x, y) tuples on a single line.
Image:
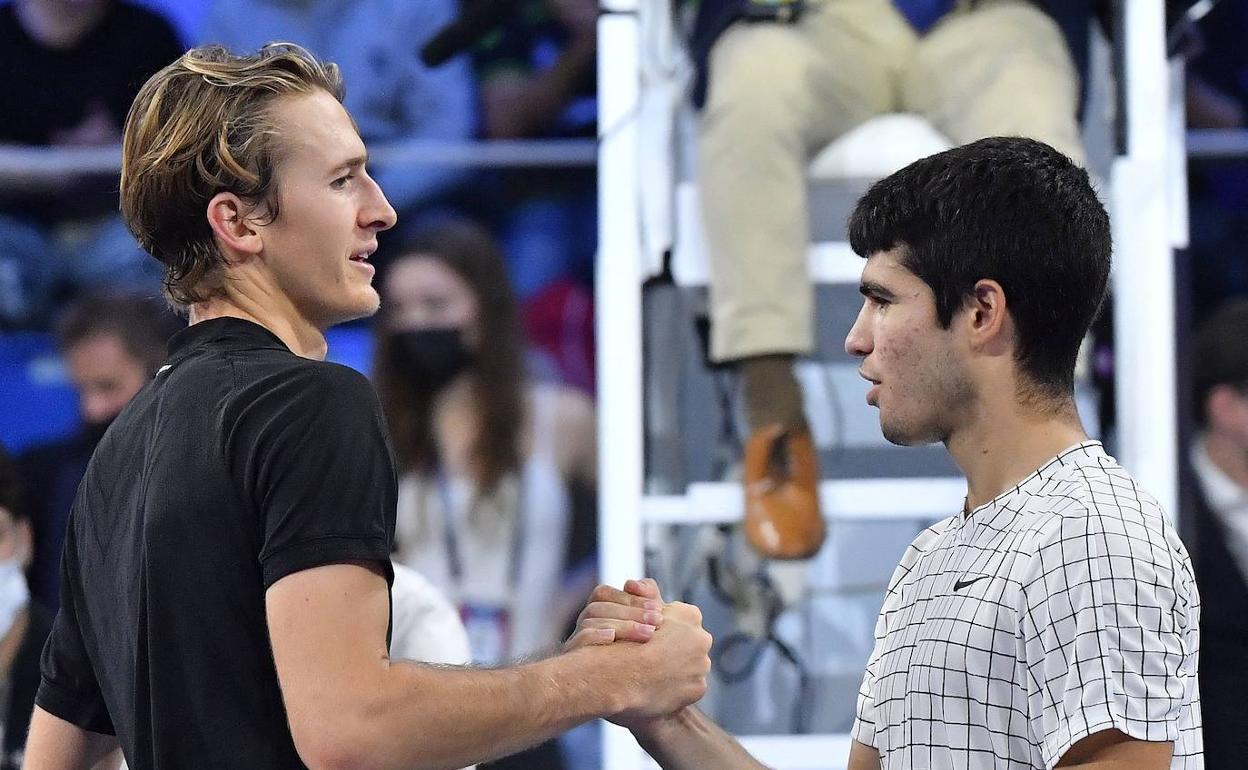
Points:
[(202, 126)]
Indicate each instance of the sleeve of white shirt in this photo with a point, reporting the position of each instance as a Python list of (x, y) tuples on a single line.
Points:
[(864, 716), (426, 626), (1108, 631)]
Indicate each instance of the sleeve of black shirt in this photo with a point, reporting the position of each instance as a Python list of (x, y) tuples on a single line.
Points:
[(69, 688), (315, 459)]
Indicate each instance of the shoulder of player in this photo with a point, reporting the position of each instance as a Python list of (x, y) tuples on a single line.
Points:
[(1103, 524), (926, 540), (321, 388), (325, 380), (1102, 498)]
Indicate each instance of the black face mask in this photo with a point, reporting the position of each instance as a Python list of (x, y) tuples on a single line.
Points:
[(430, 358), (92, 432)]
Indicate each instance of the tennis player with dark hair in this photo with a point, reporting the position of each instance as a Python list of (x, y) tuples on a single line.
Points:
[(1054, 620), (225, 583)]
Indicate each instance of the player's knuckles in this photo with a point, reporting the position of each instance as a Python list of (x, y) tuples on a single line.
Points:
[(600, 609), (585, 637), (652, 587), (686, 613), (605, 593)]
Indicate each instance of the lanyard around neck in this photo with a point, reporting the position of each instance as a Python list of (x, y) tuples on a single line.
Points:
[(450, 536)]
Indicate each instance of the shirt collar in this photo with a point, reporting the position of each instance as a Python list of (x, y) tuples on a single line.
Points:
[(1084, 453), (235, 333)]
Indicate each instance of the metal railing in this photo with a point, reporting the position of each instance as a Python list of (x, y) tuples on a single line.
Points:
[(1217, 143), (50, 162)]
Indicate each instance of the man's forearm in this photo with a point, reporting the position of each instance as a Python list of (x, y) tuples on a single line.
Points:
[(689, 740), (436, 717), (54, 744), (863, 757)]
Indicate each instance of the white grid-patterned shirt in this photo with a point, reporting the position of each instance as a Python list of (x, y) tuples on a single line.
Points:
[(1064, 607)]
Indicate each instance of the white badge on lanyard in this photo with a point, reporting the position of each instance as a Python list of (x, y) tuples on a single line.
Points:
[(488, 623), (489, 632)]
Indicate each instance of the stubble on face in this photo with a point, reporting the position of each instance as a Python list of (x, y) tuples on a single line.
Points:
[(923, 384), (325, 213), (928, 388), (930, 394)]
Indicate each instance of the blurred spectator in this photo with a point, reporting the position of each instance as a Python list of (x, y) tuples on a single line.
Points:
[(24, 625), (71, 69), (559, 322), (112, 345), (1217, 509), (776, 92), (393, 97), (537, 75), (489, 461)]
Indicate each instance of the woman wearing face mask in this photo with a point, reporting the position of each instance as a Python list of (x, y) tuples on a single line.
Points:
[(490, 461)]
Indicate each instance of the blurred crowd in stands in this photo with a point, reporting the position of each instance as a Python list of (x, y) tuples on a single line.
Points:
[(74, 66)]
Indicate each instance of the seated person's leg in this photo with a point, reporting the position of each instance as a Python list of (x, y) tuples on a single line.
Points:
[(777, 94), (1001, 69)]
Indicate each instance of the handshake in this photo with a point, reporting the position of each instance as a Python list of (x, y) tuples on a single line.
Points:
[(661, 651)]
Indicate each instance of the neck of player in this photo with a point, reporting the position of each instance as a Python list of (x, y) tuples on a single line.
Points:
[(273, 311), (1008, 438)]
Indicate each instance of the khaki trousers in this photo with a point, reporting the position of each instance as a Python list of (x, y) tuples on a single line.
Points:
[(779, 93)]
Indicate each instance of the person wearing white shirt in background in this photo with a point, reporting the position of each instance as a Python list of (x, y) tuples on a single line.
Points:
[(426, 626)]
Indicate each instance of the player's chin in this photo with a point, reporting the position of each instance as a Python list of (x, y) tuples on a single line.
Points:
[(370, 303), (364, 304), (904, 433)]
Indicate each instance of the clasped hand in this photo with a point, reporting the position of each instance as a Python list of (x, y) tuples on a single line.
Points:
[(668, 636)]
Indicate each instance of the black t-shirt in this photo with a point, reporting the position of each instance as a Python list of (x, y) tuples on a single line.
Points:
[(49, 91), (239, 464)]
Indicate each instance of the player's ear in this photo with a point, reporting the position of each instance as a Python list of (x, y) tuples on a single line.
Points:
[(986, 315), (232, 226)]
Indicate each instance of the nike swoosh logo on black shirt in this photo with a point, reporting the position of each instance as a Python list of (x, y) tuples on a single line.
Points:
[(960, 584)]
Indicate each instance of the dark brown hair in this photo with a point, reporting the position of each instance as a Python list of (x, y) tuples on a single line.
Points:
[(498, 368)]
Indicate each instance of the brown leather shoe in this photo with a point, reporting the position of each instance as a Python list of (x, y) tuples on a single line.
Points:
[(782, 519)]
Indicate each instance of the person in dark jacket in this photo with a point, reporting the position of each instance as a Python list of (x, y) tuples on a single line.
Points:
[(1217, 512)]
